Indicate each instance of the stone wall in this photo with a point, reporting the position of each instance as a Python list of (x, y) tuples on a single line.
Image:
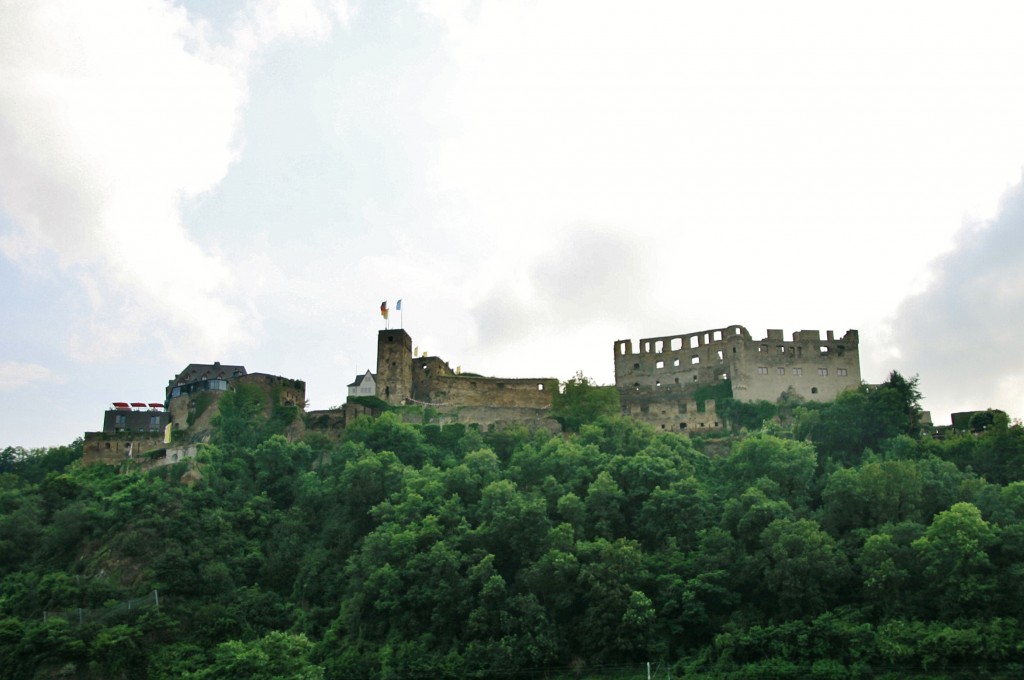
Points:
[(113, 448), (435, 383), (200, 406), (454, 397), (675, 415), (816, 368), (284, 391), (660, 376)]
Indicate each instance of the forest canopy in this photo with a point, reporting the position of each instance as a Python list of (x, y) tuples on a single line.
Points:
[(826, 540)]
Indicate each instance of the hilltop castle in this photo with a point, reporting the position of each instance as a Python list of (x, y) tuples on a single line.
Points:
[(662, 382), (143, 431), (670, 382), (458, 397)]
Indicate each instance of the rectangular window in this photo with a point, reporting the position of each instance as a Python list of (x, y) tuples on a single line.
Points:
[(659, 364), (841, 372), (762, 370), (780, 370), (822, 371), (798, 371)]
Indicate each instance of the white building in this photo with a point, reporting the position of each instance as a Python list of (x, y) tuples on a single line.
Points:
[(364, 386)]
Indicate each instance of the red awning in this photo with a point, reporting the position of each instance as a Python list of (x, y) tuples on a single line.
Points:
[(155, 405), (121, 404), (139, 404)]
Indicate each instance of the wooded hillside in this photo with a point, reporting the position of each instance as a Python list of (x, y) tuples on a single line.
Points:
[(833, 541)]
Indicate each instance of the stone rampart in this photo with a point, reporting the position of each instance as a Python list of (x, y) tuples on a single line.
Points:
[(114, 448), (663, 373), (435, 383)]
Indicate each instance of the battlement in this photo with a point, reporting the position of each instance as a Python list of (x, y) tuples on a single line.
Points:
[(431, 382), (670, 369), (718, 337)]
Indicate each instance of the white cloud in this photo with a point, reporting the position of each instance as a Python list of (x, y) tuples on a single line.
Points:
[(961, 334), (15, 374), (767, 134), (112, 113), (298, 19)]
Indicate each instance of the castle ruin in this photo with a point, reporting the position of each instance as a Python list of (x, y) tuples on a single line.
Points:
[(455, 396), (672, 381)]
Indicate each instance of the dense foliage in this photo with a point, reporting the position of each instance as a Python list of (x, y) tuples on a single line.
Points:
[(836, 542)]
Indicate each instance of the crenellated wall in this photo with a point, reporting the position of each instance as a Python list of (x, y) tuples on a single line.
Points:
[(664, 373), (464, 398), (435, 382)]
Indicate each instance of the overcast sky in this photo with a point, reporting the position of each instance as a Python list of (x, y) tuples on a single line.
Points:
[(244, 181)]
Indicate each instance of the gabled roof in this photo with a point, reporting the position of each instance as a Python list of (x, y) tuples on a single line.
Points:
[(361, 378), (196, 372)]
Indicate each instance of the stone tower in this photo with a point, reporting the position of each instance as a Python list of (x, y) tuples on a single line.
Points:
[(394, 365)]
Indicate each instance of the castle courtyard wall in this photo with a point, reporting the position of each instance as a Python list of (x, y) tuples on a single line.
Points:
[(658, 377)]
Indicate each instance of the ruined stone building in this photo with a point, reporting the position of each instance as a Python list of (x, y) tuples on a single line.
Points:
[(191, 397), (129, 430), (672, 381), (454, 396)]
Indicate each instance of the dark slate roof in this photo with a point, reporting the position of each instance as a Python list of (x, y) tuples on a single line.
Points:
[(195, 372), (360, 378)]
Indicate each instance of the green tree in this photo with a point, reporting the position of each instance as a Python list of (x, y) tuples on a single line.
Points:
[(861, 419), (611, 580), (789, 464), (603, 506), (803, 568), (240, 422), (888, 566), (580, 401), (957, 572), (275, 656)]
